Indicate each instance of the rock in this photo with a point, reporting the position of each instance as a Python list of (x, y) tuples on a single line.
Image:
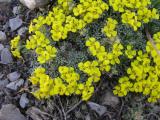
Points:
[(110, 99), (11, 112), (3, 84), (32, 4), (5, 1), (22, 30), (6, 56), (1, 75), (15, 85), (15, 23), (99, 109), (2, 36), (16, 10), (6, 26), (13, 76), (1, 47), (23, 100)]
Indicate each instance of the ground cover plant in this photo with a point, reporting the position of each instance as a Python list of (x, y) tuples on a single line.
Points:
[(69, 17), (78, 42)]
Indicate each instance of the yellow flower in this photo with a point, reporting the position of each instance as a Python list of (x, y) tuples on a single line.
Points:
[(130, 18), (130, 53), (110, 27), (16, 53), (15, 47), (15, 42)]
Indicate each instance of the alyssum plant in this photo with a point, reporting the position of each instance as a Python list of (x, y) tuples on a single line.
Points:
[(69, 17)]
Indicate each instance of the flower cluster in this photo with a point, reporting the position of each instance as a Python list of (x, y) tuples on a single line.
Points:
[(44, 81), (67, 84), (62, 21), (105, 59), (15, 47), (72, 85), (122, 5), (36, 24), (129, 52), (124, 87), (89, 10), (42, 47), (143, 75), (134, 12), (109, 28), (131, 19), (91, 69)]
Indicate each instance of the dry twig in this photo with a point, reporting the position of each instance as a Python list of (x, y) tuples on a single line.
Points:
[(151, 41), (63, 111), (122, 105), (76, 105)]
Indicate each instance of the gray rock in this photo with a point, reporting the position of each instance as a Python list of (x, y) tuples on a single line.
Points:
[(23, 100), (2, 36), (11, 112), (16, 10), (22, 30), (5, 1), (110, 99), (6, 26), (15, 85), (15, 23), (6, 56), (3, 84), (1, 47), (13, 76), (1, 75), (32, 4), (99, 109)]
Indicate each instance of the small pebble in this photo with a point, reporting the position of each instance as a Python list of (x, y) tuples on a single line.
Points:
[(99, 109), (3, 84), (13, 76), (16, 10), (23, 100), (2, 36), (15, 85), (1, 47), (6, 56), (15, 23), (1, 75), (22, 30)]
